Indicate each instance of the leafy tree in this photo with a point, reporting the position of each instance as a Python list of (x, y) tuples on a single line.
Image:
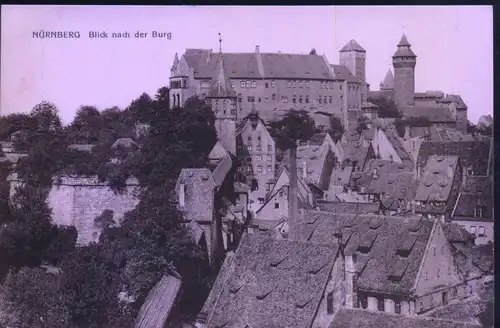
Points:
[(16, 122), (105, 220), (142, 108), (32, 298), (47, 116), (162, 99), (336, 128), (362, 125), (312, 52), (386, 108), (85, 126)]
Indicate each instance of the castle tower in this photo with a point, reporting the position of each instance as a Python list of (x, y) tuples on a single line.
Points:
[(404, 61), (223, 100), (353, 56), (388, 83)]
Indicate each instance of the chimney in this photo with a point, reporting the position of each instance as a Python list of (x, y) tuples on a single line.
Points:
[(351, 276), (182, 194), (292, 194), (257, 49)]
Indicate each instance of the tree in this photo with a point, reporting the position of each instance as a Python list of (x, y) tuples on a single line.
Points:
[(86, 125), (312, 52), (162, 98), (363, 122), (336, 128), (294, 126), (142, 108), (47, 116), (16, 122), (387, 108), (105, 220)]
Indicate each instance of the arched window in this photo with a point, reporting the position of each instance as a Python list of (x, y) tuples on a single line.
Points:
[(307, 99), (294, 99), (178, 100), (300, 99)]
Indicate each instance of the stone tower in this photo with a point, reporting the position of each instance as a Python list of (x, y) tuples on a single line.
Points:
[(223, 100), (404, 61), (387, 85), (353, 56)]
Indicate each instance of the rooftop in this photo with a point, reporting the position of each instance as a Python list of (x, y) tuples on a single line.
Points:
[(349, 208), (378, 243), (358, 318), (437, 180), (352, 46), (270, 283)]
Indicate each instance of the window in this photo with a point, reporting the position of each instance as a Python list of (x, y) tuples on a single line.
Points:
[(267, 85), (289, 84), (273, 97), (293, 84), (249, 147), (259, 148), (249, 168), (438, 272), (324, 99), (340, 87), (249, 139), (330, 99), (269, 158), (260, 99), (269, 148), (470, 171), (363, 302), (259, 157), (276, 205), (240, 99), (259, 168), (482, 231), (300, 99), (421, 306), (269, 168), (322, 85), (249, 84), (329, 303), (285, 99), (397, 307), (307, 84), (478, 212), (266, 99), (261, 200), (380, 304), (254, 84), (434, 251), (473, 230), (307, 99), (251, 99), (273, 83), (249, 159), (300, 84), (319, 99), (331, 85), (242, 84)]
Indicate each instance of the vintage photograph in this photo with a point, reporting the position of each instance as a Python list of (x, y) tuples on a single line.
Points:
[(246, 167)]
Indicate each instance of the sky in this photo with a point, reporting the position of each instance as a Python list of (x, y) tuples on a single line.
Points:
[(453, 44)]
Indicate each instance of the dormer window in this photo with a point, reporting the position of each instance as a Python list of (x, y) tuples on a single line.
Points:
[(470, 171), (478, 212)]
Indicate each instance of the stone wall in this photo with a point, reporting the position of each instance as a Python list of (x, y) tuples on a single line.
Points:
[(77, 201)]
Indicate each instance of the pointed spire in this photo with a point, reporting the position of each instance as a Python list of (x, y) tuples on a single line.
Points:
[(352, 46), (220, 44), (176, 62), (404, 42), (388, 83), (221, 86)]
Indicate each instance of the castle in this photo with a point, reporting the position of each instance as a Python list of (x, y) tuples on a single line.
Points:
[(278, 82)]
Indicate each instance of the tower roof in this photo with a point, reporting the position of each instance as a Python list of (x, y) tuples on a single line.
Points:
[(352, 46), (176, 62), (404, 49), (220, 86), (404, 42), (388, 83)]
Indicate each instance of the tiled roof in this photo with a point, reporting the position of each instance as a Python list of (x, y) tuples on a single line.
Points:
[(317, 139), (247, 120), (454, 135), (386, 167), (477, 185), (392, 188), (404, 48), (396, 143), (262, 65), (434, 114), (456, 99), (455, 233), (220, 87), (358, 318), (222, 169), (437, 180), (404, 42), (341, 175), (374, 240), (270, 283), (349, 208), (355, 152), (157, 306), (483, 257), (343, 73), (319, 163), (352, 135), (199, 184), (473, 154), (352, 46)]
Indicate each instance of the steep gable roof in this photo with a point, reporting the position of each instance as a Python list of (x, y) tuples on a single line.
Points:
[(358, 318), (437, 179), (271, 283), (318, 163), (158, 304), (375, 241), (474, 154), (220, 86), (388, 82), (355, 151), (199, 184), (396, 143)]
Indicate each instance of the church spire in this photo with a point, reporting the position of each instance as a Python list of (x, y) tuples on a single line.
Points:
[(221, 86), (388, 83)]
